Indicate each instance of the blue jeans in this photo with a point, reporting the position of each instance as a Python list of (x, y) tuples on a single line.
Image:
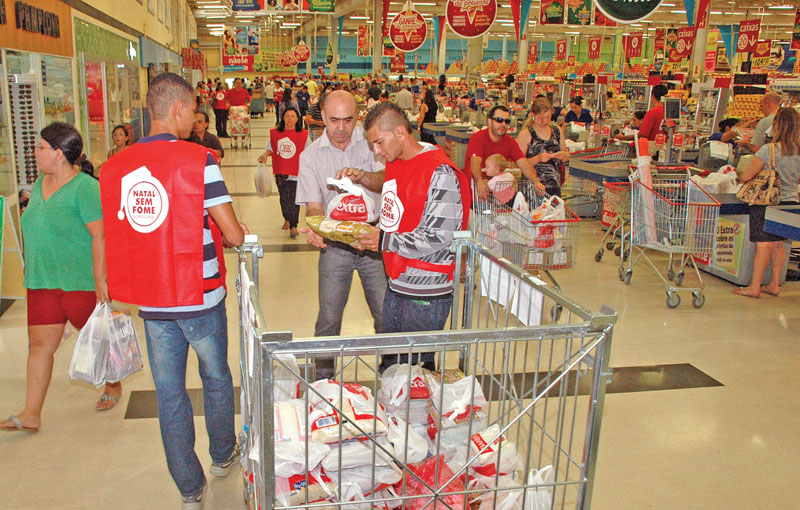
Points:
[(336, 266), (404, 314), (168, 344)]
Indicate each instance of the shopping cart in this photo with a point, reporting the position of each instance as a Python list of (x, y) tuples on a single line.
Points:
[(676, 216), (616, 219), (575, 187), (533, 410), (240, 127)]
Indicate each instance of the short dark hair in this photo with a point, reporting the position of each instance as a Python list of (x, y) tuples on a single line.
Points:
[(123, 128), (204, 114), (495, 110), (660, 91), (386, 116), (729, 122), (639, 114), (578, 100), (282, 124), (165, 90)]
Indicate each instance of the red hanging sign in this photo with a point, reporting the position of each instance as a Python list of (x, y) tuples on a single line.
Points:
[(533, 50), (633, 45), (748, 35), (302, 52), (677, 140), (660, 140), (398, 62), (702, 14), (388, 47), (685, 44), (551, 12), (471, 18), (408, 30), (561, 49), (595, 43), (362, 42), (796, 31), (601, 20), (660, 41)]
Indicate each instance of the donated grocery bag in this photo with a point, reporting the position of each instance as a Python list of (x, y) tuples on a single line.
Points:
[(551, 210), (124, 354), (352, 205), (262, 181), (91, 350)]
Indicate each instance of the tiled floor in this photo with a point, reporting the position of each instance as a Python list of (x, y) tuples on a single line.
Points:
[(730, 446)]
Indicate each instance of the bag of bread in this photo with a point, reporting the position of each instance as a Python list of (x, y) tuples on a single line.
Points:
[(353, 204), (342, 231)]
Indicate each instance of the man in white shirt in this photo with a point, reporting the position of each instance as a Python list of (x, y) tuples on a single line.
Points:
[(404, 99), (269, 95)]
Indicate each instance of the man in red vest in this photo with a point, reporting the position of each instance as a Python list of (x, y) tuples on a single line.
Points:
[(167, 215), (425, 199)]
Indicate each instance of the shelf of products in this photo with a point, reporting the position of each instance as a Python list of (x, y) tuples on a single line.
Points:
[(745, 107), (789, 89)]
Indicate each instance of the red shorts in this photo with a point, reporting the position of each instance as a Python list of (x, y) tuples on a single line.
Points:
[(56, 306)]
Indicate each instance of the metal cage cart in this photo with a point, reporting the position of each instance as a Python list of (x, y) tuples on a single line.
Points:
[(528, 430), (240, 127), (616, 220), (678, 217)]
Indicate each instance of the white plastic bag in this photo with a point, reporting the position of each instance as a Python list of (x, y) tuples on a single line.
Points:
[(290, 439), (551, 208), (356, 405), (545, 232), (124, 353), (354, 204), (508, 499), (521, 205), (540, 498), (263, 181), (394, 381), (385, 477), (291, 491), (357, 453), (416, 445), (286, 385), (458, 400), (487, 465), (90, 356)]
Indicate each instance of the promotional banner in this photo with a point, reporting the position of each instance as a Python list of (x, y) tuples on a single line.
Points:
[(761, 56), (471, 18), (239, 45), (748, 35), (796, 31), (516, 6), (408, 30), (283, 5), (398, 62), (702, 13), (579, 12), (438, 25), (363, 46), (533, 53), (388, 47), (302, 52), (551, 12), (660, 39), (601, 20), (633, 48), (685, 43), (561, 50), (595, 44), (711, 51), (626, 11)]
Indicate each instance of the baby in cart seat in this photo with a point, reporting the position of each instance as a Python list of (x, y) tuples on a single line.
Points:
[(501, 183)]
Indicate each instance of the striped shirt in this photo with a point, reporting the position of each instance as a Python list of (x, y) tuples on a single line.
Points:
[(216, 193), (430, 241)]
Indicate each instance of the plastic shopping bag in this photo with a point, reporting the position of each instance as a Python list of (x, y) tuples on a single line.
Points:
[(492, 445), (90, 356), (290, 437), (124, 354), (354, 204), (263, 181), (410, 447), (540, 498), (357, 415), (551, 210), (427, 471), (394, 381)]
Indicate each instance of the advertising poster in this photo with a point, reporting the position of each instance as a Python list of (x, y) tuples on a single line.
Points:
[(561, 50), (363, 45), (601, 20), (533, 53), (711, 51), (761, 56), (408, 30), (302, 52), (238, 54), (685, 44), (730, 242), (595, 43), (633, 45), (660, 40), (283, 5), (796, 31), (748, 35), (398, 62), (470, 18), (551, 12), (579, 12)]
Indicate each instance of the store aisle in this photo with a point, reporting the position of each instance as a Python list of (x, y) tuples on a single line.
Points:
[(728, 442)]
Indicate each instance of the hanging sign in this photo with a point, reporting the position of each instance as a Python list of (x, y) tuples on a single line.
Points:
[(551, 12), (677, 140), (633, 48), (302, 52), (561, 49), (660, 40), (290, 58), (601, 20), (408, 30), (748, 35), (533, 50), (761, 55), (685, 43), (398, 62), (711, 51), (595, 43), (579, 12), (796, 31), (626, 11), (660, 140), (471, 18), (363, 49), (278, 6), (329, 54)]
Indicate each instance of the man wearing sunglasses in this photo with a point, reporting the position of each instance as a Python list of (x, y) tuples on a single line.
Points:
[(496, 140)]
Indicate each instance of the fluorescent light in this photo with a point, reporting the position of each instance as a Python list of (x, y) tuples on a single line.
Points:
[(780, 7), (572, 33), (215, 7), (678, 12), (217, 16), (672, 5), (359, 17)]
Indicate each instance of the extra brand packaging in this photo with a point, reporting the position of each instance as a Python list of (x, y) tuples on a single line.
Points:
[(356, 406), (353, 204)]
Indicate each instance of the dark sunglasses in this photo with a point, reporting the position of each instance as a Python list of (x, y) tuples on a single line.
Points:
[(501, 120)]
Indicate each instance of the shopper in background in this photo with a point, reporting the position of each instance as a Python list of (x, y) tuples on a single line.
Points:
[(314, 118), (303, 101), (201, 136), (494, 139), (769, 247), (201, 96), (427, 114), (284, 145), (221, 110), (577, 113), (121, 139), (727, 131), (544, 146), (373, 90), (770, 104), (65, 264), (341, 145), (286, 103), (636, 124), (176, 274), (405, 99), (651, 124), (269, 95), (238, 96)]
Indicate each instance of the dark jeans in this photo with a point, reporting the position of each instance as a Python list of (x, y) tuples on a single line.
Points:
[(287, 190), (222, 122), (404, 314)]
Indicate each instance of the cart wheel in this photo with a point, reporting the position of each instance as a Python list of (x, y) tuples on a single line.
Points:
[(598, 256), (555, 312), (698, 300), (618, 251), (679, 279), (621, 273), (670, 274), (610, 246), (673, 299), (627, 278)]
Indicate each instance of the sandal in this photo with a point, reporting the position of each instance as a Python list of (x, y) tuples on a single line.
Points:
[(740, 292), (104, 398), (18, 425)]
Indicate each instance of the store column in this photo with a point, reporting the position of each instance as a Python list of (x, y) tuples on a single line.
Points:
[(474, 54), (377, 37), (443, 49), (333, 40), (522, 50), (697, 64), (311, 44)]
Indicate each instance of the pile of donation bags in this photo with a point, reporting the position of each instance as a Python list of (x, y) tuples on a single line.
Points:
[(343, 432)]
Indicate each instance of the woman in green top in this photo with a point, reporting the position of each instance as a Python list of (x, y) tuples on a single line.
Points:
[(65, 265)]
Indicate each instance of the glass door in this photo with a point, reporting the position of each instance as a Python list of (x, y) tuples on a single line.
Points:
[(95, 124)]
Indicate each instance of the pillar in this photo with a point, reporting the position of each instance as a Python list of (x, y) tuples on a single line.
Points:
[(377, 36), (333, 40), (443, 50), (504, 55), (474, 55), (311, 45)]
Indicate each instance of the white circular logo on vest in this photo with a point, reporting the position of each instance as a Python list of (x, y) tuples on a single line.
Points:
[(220, 96), (391, 207), (143, 200), (286, 148)]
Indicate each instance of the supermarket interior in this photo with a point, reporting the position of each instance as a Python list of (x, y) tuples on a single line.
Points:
[(633, 343)]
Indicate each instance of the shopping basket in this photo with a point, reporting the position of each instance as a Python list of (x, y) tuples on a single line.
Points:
[(364, 440), (675, 216)]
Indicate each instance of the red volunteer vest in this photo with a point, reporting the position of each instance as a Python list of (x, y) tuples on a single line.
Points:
[(152, 198), (404, 207), (286, 148)]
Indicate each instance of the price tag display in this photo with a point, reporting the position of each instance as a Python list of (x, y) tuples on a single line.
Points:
[(677, 140), (661, 139)]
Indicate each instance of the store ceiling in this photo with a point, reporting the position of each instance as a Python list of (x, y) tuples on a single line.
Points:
[(777, 17)]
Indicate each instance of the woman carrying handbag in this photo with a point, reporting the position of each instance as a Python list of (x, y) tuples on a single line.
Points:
[(783, 157)]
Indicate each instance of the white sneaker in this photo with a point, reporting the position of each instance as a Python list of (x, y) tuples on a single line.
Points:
[(224, 468), (195, 502)]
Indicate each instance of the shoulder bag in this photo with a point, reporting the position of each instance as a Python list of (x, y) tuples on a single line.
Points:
[(764, 188)]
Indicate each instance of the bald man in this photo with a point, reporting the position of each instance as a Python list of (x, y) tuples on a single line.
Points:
[(341, 145), (770, 104)]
